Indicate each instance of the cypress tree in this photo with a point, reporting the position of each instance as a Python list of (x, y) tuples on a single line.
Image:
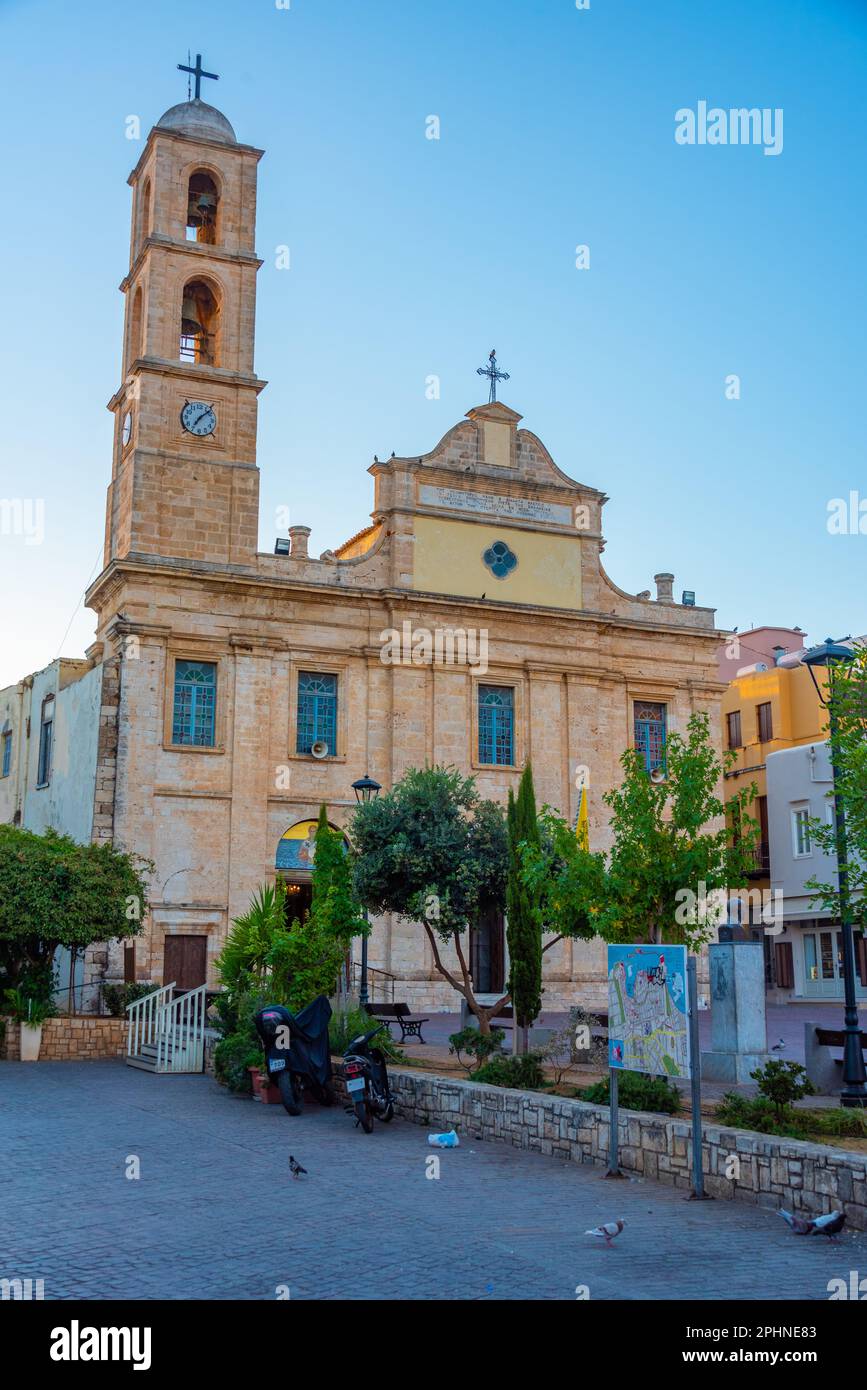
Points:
[(523, 930)]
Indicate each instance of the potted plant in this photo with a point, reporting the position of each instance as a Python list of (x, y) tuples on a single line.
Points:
[(31, 1013)]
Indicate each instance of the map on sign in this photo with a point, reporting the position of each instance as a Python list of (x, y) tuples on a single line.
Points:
[(648, 1027)]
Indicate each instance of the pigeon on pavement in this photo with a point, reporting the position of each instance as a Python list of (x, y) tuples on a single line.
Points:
[(799, 1225), (608, 1231), (828, 1225), (295, 1167)]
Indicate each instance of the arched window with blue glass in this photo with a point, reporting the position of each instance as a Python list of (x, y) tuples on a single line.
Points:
[(195, 704), (497, 725), (317, 713), (650, 731)]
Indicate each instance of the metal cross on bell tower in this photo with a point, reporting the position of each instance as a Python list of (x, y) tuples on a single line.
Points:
[(198, 72), (493, 373)]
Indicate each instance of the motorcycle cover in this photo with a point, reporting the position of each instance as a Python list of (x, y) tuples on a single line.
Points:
[(309, 1051)]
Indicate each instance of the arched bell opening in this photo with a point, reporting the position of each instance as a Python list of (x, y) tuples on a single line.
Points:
[(203, 200), (200, 312)]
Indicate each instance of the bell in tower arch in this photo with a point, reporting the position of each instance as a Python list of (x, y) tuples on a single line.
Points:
[(202, 203)]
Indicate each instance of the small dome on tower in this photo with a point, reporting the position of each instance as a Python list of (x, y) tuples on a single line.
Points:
[(198, 120)]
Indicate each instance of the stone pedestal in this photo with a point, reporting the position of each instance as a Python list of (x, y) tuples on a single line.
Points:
[(739, 1038)]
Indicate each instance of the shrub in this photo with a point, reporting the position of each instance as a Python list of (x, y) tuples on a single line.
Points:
[(523, 1073), (29, 1008), (759, 1114), (347, 1024), (232, 1056), (117, 998), (781, 1083), (478, 1046), (637, 1091)]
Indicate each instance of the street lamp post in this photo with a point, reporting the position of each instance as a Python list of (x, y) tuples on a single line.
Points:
[(365, 790), (854, 1094)]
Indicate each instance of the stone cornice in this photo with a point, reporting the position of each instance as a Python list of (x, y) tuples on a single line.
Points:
[(245, 580), (202, 250), (210, 376)]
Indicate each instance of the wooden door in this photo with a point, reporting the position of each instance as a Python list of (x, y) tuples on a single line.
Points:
[(185, 961), (487, 953)]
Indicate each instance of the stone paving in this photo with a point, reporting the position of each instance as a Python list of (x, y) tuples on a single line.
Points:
[(215, 1214)]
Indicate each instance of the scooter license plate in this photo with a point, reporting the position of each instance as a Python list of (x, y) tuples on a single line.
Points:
[(277, 1064), (355, 1083)]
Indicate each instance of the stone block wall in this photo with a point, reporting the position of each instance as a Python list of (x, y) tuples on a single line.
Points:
[(71, 1039), (766, 1171)]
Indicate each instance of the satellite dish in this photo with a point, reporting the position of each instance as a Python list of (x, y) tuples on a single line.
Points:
[(319, 749)]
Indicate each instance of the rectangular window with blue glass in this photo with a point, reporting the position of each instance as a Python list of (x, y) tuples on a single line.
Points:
[(317, 712), (195, 704), (650, 732), (7, 751), (497, 725)]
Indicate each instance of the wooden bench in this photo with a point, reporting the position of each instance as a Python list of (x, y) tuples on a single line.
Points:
[(823, 1069), (409, 1024)]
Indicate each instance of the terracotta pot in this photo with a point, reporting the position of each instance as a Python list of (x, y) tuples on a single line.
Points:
[(31, 1041), (262, 1088)]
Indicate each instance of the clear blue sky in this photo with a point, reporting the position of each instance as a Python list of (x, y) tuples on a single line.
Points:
[(412, 257)]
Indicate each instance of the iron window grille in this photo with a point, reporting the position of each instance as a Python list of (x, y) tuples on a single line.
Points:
[(650, 734), (317, 711), (195, 704), (496, 725)]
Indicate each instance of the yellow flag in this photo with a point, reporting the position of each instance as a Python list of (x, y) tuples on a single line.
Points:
[(582, 826)]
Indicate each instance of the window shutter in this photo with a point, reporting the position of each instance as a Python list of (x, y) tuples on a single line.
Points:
[(861, 956), (785, 965)]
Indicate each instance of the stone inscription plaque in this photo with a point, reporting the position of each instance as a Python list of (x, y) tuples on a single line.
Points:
[(492, 504)]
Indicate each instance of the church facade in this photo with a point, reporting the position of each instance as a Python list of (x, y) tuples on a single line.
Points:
[(471, 623)]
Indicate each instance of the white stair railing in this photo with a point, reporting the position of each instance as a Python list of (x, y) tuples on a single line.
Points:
[(145, 1016), (181, 1037)]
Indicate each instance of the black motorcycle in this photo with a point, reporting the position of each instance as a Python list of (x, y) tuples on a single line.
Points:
[(367, 1082), (297, 1052)]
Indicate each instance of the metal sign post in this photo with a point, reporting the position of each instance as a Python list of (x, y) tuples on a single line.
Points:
[(613, 1123), (697, 1194)]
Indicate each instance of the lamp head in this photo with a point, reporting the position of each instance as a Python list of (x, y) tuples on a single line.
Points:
[(827, 653), (366, 789)]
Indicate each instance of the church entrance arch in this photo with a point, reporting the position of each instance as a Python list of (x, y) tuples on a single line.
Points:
[(296, 851)]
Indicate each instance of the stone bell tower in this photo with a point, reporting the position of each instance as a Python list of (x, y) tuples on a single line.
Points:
[(185, 485)]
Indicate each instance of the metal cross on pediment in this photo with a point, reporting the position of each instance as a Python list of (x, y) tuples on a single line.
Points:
[(198, 72), (493, 373)]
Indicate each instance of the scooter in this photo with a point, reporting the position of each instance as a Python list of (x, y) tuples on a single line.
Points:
[(297, 1052), (367, 1082)]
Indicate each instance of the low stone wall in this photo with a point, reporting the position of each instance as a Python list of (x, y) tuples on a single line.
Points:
[(738, 1164), (77, 1039)]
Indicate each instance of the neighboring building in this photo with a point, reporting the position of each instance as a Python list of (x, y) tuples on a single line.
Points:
[(808, 955), (231, 692), (49, 748), (759, 645), (770, 704)]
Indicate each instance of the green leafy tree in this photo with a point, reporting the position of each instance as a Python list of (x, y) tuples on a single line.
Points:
[(523, 930), (433, 851), (243, 962), (667, 867), (334, 904), (847, 699), (56, 892)]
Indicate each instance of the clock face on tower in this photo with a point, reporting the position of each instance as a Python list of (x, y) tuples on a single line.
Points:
[(126, 429), (198, 418)]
